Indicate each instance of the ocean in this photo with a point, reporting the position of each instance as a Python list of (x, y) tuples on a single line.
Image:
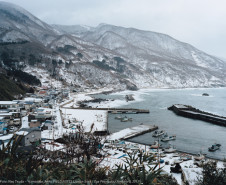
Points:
[(192, 136)]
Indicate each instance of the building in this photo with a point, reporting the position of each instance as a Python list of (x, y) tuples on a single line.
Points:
[(42, 93), (48, 125), (34, 123), (8, 104), (16, 122), (30, 136), (6, 115), (29, 105)]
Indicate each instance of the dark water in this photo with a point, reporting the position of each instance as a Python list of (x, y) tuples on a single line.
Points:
[(192, 135)]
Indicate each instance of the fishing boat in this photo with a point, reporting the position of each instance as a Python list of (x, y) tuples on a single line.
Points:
[(168, 138), (214, 147), (205, 94), (170, 150), (125, 119), (118, 117), (185, 157), (199, 157), (158, 133), (155, 145)]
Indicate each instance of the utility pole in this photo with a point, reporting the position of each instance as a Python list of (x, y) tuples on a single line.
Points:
[(158, 151)]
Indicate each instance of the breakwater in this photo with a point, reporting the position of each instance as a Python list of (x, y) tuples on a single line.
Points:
[(115, 110), (191, 112)]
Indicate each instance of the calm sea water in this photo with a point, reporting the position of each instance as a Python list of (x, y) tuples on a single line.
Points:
[(193, 136)]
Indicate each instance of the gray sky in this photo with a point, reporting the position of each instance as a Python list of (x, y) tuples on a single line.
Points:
[(198, 22)]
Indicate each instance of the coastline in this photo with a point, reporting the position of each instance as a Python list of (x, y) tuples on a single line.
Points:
[(145, 91)]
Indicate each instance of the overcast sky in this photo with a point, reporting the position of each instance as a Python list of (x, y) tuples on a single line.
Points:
[(201, 23)]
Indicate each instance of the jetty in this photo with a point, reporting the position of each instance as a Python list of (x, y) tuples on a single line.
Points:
[(115, 110), (191, 112), (129, 133)]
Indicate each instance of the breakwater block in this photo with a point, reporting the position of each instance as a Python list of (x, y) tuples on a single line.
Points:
[(191, 112)]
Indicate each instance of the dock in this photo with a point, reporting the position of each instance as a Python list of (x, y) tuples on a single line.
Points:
[(115, 110), (129, 133), (191, 112)]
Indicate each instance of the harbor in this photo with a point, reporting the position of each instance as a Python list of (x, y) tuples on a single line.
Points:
[(190, 134)]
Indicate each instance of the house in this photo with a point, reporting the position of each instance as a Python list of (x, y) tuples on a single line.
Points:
[(48, 125), (34, 123), (30, 136), (16, 122), (42, 93), (7, 115), (8, 104), (28, 105)]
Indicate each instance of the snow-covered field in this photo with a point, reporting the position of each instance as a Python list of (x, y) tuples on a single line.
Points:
[(97, 118)]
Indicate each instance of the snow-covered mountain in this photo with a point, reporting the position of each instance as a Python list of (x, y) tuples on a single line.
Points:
[(18, 24), (165, 60), (105, 55)]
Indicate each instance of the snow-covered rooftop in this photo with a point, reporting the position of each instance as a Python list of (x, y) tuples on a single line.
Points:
[(22, 133), (7, 102)]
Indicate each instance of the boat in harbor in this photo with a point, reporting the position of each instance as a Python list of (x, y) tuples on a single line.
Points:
[(155, 145), (185, 157), (118, 117), (158, 133), (170, 150), (125, 119), (168, 138), (199, 157), (214, 147), (205, 94)]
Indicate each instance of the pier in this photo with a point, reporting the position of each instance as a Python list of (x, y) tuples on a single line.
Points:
[(115, 110), (129, 133), (191, 112)]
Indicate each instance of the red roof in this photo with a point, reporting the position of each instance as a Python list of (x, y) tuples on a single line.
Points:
[(42, 92)]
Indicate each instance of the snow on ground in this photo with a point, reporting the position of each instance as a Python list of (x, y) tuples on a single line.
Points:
[(83, 96), (73, 101), (6, 137), (58, 129), (43, 76), (191, 171), (119, 102), (87, 118), (129, 132), (198, 61), (52, 146)]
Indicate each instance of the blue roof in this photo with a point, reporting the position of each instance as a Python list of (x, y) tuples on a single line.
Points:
[(48, 121), (1, 122), (29, 103)]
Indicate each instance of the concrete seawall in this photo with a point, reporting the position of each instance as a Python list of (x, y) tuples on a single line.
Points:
[(191, 112)]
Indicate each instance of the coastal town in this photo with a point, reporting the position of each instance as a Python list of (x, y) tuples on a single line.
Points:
[(43, 118)]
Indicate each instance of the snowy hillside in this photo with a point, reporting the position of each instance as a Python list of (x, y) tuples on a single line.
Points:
[(173, 63), (25, 25), (103, 56)]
